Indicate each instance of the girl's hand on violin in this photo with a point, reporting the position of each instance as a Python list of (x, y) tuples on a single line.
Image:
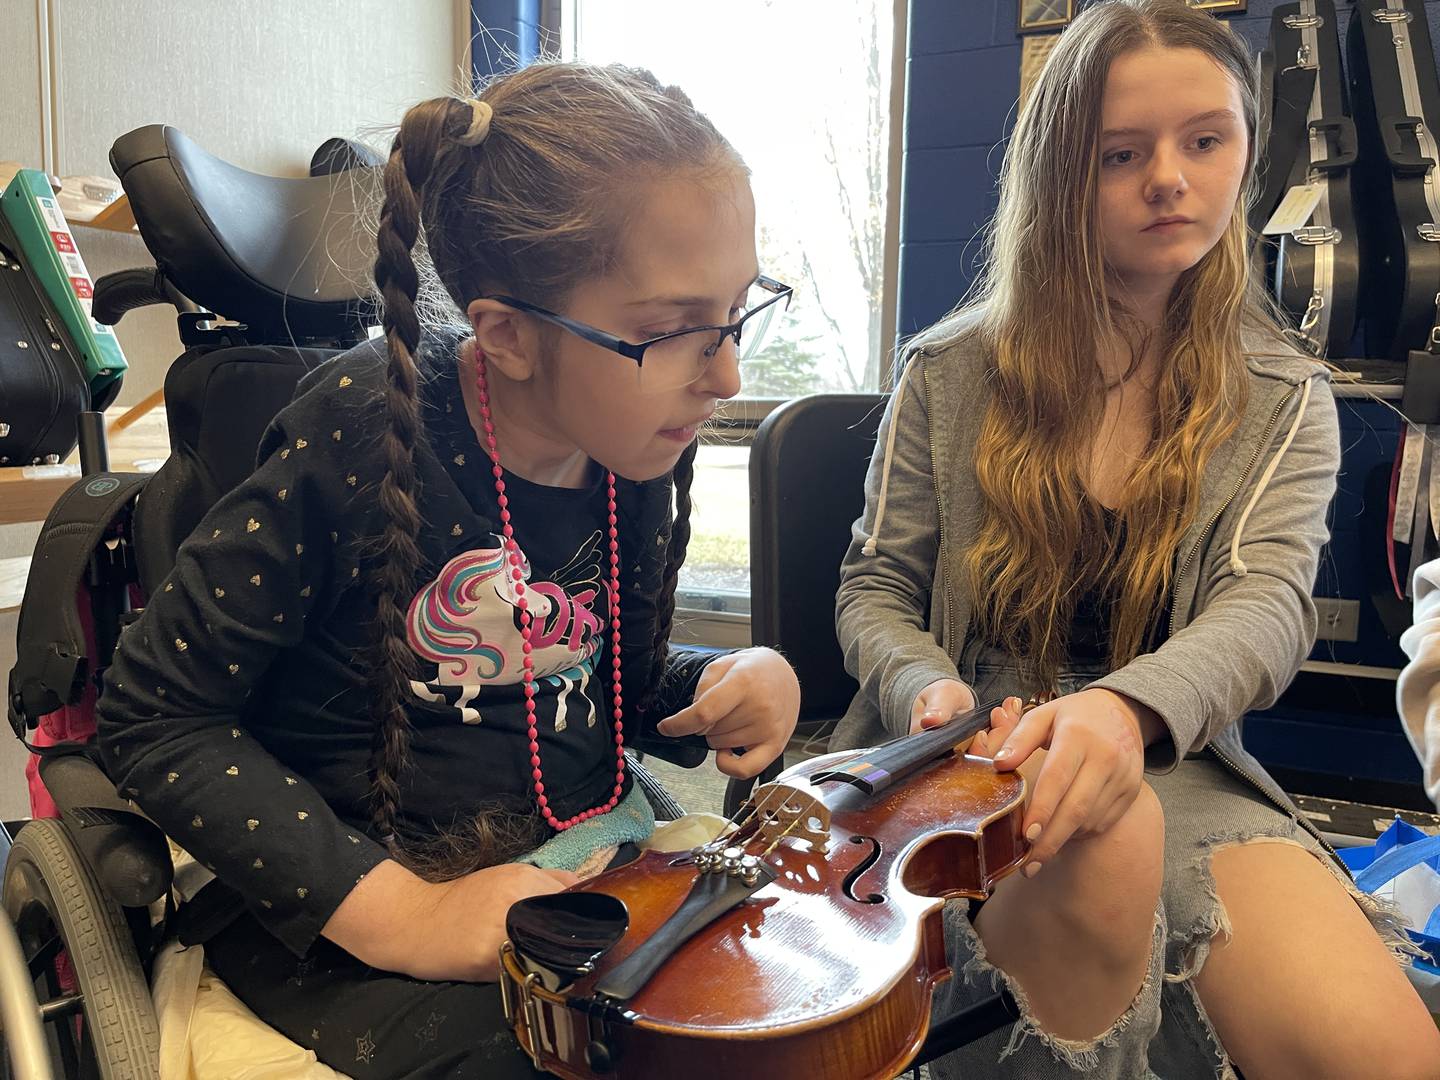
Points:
[(1003, 719), (748, 699), (938, 702), (1092, 773)]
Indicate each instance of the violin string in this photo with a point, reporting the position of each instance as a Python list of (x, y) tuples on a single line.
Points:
[(756, 810), (769, 813), (788, 829)]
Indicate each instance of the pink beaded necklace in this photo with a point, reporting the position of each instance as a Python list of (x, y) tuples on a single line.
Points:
[(517, 575)]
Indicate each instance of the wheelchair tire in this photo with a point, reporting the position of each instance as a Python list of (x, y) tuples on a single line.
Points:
[(49, 889)]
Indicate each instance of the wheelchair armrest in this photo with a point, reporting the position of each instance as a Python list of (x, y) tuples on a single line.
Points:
[(125, 290), (687, 751), (128, 851), (660, 800)]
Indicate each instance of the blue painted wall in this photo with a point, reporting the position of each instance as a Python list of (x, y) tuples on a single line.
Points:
[(963, 81), (500, 31)]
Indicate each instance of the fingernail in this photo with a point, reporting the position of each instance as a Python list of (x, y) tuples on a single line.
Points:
[(1002, 753), (1031, 869), (1033, 832), (929, 713)]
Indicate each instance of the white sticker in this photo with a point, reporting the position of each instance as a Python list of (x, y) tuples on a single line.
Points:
[(49, 472), (54, 220), (1421, 526), (1407, 490), (1294, 210)]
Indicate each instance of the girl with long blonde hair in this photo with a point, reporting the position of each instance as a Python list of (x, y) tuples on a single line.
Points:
[(1101, 487)]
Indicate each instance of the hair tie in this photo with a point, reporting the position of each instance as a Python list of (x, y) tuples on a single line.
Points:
[(480, 116)]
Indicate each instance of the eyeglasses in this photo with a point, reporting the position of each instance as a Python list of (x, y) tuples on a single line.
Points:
[(679, 358)]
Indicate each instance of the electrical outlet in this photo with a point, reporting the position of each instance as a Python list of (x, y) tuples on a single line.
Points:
[(1339, 619)]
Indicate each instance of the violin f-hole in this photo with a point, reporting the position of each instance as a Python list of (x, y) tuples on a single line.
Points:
[(865, 864)]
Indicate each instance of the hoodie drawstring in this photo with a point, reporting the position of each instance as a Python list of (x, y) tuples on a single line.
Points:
[(1237, 564), (874, 538)]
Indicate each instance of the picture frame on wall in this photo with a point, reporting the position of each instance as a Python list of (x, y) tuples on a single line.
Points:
[(1222, 7), (1042, 16)]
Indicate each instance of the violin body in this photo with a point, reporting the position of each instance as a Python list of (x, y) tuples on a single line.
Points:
[(826, 969)]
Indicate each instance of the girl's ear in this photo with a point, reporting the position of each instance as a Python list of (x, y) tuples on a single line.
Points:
[(505, 337)]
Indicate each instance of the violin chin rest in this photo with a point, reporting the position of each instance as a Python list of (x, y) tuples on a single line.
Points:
[(563, 934)]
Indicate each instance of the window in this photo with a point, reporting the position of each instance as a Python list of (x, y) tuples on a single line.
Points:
[(803, 92)]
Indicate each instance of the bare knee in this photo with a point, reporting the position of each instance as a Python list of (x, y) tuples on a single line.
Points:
[(1126, 861), (1080, 936), (1138, 838), (1106, 886)]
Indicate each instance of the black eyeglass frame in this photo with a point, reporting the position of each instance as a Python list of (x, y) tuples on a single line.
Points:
[(636, 350)]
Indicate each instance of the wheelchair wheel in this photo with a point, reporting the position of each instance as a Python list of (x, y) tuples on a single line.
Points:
[(100, 1021)]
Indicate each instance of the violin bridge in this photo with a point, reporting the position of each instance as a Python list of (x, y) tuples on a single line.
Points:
[(783, 810)]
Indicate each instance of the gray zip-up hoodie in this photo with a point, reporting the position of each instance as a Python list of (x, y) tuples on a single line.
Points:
[(1242, 619)]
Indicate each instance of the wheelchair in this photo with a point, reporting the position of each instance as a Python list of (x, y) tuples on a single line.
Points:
[(286, 262)]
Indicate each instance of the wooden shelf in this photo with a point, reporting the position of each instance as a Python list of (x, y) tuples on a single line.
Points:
[(117, 217), (29, 498)]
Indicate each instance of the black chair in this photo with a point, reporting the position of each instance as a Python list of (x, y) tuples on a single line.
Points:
[(807, 477), (807, 488)]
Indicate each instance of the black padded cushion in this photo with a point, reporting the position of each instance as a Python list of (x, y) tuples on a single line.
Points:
[(287, 257), (219, 403), (807, 487)]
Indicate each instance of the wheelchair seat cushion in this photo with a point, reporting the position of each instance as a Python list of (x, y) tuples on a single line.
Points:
[(207, 1033)]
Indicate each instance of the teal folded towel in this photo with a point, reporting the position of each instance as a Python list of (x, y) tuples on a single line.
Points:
[(631, 822)]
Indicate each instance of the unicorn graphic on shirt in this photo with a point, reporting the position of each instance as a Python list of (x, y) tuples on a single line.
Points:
[(467, 622)]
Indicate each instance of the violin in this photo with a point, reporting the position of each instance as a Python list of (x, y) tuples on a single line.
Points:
[(805, 941)]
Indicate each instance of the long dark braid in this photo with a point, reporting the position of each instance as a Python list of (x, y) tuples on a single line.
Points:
[(398, 558), (674, 559)]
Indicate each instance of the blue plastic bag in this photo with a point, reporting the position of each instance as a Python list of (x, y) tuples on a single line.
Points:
[(1399, 848)]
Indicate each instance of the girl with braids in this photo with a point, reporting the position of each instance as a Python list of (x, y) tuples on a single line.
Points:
[(387, 689), (1101, 485)]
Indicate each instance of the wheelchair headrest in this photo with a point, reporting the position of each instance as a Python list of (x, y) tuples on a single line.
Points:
[(288, 257)]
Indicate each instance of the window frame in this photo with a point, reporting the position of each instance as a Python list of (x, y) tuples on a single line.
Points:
[(710, 617)]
